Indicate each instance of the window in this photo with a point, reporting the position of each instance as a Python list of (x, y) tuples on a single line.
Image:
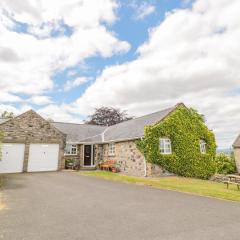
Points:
[(71, 149), (111, 149), (203, 148), (165, 146)]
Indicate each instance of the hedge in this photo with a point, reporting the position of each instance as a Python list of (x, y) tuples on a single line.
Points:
[(185, 128)]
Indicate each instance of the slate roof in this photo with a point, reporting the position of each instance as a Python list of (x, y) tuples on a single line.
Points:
[(237, 142), (134, 129), (128, 130), (77, 133)]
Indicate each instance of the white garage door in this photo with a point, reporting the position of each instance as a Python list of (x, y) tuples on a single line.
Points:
[(11, 160), (43, 157)]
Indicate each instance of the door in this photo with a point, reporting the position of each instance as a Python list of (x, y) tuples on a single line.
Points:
[(43, 157), (11, 160), (87, 155)]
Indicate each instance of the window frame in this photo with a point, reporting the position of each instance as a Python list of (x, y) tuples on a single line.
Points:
[(203, 146), (165, 145), (111, 149), (69, 149)]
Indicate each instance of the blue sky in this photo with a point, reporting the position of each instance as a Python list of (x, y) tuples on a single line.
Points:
[(127, 28), (65, 58)]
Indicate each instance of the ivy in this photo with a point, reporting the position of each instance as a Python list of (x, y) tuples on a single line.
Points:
[(185, 127)]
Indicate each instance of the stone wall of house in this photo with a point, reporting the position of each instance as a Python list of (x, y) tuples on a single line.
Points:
[(237, 158), (131, 160), (31, 128), (77, 159), (98, 153)]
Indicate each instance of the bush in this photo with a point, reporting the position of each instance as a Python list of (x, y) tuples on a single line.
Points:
[(69, 163), (225, 164), (185, 127)]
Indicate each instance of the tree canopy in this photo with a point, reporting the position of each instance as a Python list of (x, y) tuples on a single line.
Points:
[(7, 114), (107, 116)]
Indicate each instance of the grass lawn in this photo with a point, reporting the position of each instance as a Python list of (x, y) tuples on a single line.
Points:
[(188, 185)]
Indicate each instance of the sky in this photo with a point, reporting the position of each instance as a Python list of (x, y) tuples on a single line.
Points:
[(64, 58)]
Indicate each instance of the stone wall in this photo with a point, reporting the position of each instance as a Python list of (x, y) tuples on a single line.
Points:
[(77, 159), (98, 153), (131, 160), (32, 128), (237, 158)]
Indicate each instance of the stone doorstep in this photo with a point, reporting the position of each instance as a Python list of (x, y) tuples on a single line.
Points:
[(88, 168)]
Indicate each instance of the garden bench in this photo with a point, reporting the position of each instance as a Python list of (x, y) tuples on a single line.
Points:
[(107, 165), (233, 179)]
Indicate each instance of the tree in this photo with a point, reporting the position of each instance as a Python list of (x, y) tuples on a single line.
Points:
[(107, 116), (7, 114)]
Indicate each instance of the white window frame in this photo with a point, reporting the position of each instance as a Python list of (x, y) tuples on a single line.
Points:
[(111, 149), (165, 146), (71, 149), (203, 147)]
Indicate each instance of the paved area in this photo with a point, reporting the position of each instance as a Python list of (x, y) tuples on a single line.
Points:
[(66, 206)]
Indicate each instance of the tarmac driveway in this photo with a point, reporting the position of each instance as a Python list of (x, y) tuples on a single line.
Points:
[(66, 206)]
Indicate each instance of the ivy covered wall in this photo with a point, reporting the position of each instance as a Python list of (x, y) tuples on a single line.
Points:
[(185, 128)]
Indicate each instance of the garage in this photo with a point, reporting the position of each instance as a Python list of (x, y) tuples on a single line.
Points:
[(43, 157), (30, 144), (12, 158)]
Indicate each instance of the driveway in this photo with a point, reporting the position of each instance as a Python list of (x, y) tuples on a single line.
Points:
[(66, 206)]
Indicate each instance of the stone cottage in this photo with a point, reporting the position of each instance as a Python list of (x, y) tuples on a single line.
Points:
[(42, 143), (236, 148)]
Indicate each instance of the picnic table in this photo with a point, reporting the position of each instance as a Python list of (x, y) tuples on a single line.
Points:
[(232, 179)]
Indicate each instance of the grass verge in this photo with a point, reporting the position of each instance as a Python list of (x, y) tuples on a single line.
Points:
[(187, 185), (2, 205)]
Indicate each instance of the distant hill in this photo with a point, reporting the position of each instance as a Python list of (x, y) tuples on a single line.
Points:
[(227, 151)]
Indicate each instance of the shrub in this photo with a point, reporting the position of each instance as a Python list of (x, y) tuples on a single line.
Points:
[(185, 127), (225, 164), (69, 163)]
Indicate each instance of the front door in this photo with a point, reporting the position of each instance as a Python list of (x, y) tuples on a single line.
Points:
[(87, 155)]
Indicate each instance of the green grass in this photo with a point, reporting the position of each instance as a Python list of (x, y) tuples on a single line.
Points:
[(187, 185)]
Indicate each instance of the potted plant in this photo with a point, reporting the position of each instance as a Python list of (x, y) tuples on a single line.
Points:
[(116, 168), (69, 164)]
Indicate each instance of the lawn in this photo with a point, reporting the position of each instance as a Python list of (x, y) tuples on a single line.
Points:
[(187, 185)]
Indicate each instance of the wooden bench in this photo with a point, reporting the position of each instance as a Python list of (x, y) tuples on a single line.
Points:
[(107, 165), (232, 179), (230, 182)]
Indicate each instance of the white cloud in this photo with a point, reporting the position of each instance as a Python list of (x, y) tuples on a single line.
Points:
[(192, 56), (70, 84), (142, 9), (7, 97), (16, 111), (29, 60), (60, 113), (145, 10), (40, 100)]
